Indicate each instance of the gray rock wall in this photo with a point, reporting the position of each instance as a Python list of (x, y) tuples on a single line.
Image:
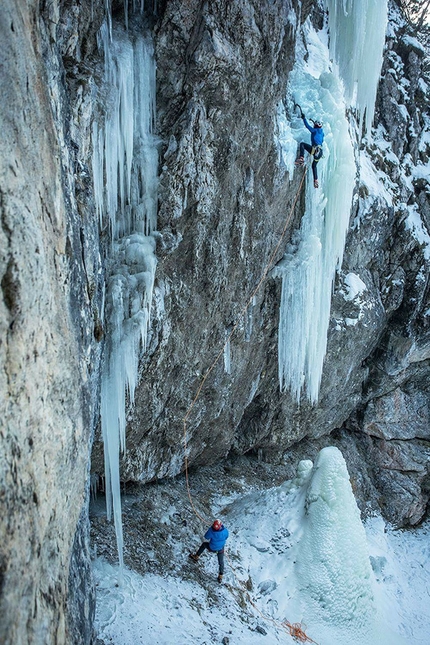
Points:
[(49, 357), (222, 69), (394, 411)]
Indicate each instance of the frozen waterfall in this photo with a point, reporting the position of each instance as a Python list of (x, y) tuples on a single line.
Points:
[(357, 36), (315, 253), (124, 164), (309, 265)]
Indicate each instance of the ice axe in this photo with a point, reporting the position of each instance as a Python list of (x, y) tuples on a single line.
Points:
[(296, 105)]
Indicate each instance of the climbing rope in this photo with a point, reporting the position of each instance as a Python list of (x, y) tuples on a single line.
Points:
[(297, 632), (295, 629)]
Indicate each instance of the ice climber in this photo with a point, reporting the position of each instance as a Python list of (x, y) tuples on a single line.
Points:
[(315, 149), (217, 535)]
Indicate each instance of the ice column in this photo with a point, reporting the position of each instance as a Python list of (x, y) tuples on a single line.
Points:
[(125, 184), (357, 36), (332, 560), (309, 265), (324, 91)]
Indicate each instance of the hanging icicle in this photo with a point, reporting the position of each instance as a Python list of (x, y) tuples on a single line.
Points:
[(125, 162), (357, 36)]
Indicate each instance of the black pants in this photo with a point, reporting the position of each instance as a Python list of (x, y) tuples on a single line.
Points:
[(220, 554), (305, 146)]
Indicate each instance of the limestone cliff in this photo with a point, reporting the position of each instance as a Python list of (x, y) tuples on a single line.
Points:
[(49, 356)]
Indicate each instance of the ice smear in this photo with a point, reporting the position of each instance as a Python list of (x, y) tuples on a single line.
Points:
[(227, 352), (357, 36), (310, 263), (124, 165)]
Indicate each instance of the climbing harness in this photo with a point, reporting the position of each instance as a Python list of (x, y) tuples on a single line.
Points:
[(295, 630), (317, 152)]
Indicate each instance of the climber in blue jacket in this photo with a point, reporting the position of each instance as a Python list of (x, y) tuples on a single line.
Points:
[(217, 535), (315, 149)]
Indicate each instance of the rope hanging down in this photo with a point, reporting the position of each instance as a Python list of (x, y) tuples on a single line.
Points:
[(295, 630)]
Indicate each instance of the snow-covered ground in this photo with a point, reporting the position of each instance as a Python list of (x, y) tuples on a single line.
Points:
[(300, 553)]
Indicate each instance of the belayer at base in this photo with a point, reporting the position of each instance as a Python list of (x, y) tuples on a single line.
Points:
[(217, 535), (317, 138)]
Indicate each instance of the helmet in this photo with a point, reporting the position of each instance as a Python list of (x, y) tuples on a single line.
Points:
[(217, 525), (317, 124)]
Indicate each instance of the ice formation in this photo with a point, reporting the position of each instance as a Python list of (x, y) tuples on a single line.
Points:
[(333, 563), (269, 546), (310, 263), (357, 36), (324, 91), (125, 185), (227, 353)]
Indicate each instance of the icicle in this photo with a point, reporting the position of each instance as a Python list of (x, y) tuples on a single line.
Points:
[(125, 156), (227, 354), (97, 166), (357, 36)]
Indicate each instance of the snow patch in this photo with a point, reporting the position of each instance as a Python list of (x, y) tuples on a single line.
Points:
[(377, 182), (416, 226), (304, 553), (354, 286), (414, 43)]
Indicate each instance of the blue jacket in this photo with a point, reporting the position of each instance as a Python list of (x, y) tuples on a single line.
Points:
[(217, 539), (317, 134)]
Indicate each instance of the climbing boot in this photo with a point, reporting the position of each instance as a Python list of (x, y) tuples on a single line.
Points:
[(220, 578), (194, 557), (316, 183), (300, 161)]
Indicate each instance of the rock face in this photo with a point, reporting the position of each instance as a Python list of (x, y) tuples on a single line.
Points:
[(392, 244), (222, 70), (223, 203), (49, 356)]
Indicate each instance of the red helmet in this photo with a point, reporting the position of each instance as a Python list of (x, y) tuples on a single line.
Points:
[(217, 525)]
